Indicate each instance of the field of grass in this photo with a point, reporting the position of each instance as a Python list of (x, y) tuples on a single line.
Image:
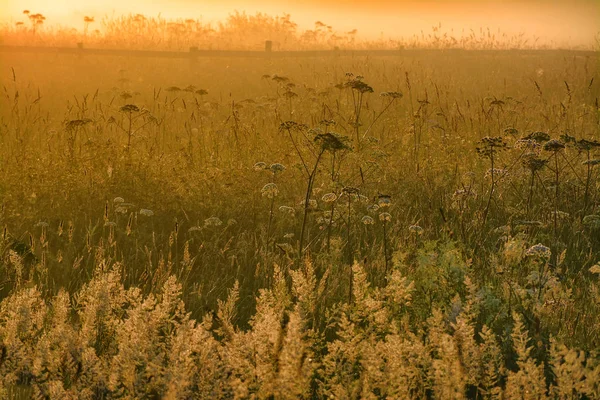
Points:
[(419, 226)]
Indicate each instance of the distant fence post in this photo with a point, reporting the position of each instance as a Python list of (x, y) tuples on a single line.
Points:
[(193, 56), (268, 46), (80, 49)]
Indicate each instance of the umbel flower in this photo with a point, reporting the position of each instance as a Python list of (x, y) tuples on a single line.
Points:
[(270, 190), (367, 220), (385, 217), (538, 250), (329, 197), (554, 145), (539, 137), (488, 146), (213, 221), (277, 168), (416, 229), (130, 108), (384, 200), (288, 210), (332, 141), (259, 166)]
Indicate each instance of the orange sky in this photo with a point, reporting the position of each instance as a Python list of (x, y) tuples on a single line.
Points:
[(571, 21)]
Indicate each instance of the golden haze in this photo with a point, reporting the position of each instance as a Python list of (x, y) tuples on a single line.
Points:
[(563, 22)]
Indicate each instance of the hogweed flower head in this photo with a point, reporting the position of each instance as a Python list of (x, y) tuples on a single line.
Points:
[(332, 142), (592, 162), (260, 166), (277, 168), (385, 217), (554, 145), (367, 220), (384, 200), (488, 146), (532, 162), (213, 221), (499, 172), (288, 210), (145, 212), (539, 137), (416, 229), (373, 208), (538, 250), (329, 197), (270, 190)]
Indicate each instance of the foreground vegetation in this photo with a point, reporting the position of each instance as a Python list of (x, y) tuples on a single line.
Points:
[(422, 226)]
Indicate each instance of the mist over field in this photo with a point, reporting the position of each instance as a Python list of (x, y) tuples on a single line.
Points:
[(562, 23), (219, 200)]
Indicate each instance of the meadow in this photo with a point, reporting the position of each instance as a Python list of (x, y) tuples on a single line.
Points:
[(423, 225)]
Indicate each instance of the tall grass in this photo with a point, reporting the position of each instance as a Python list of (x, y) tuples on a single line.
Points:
[(154, 246)]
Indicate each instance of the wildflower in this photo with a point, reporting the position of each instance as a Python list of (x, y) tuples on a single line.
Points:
[(118, 200), (532, 162), (213, 221), (497, 172), (195, 229), (288, 210), (42, 224), (289, 235), (270, 190), (416, 229), (539, 137), (373, 208), (110, 224), (385, 217), (538, 250), (231, 222), (587, 145), (527, 144), (130, 108), (488, 146), (259, 166), (595, 269), (147, 213), (367, 220), (277, 168), (332, 141), (554, 145), (329, 197), (384, 200), (591, 162)]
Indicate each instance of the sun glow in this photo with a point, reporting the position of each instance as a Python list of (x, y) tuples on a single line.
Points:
[(571, 22)]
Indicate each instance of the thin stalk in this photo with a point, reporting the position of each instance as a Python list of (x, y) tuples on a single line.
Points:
[(311, 179), (385, 248)]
